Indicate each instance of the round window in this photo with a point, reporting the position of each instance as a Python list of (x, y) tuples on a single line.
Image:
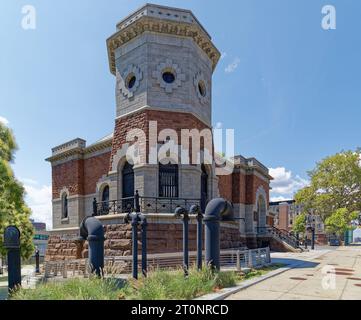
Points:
[(168, 77), (131, 79), (202, 88)]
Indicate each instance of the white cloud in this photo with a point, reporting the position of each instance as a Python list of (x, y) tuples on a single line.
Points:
[(223, 55), (233, 66), (4, 120), (279, 198), (285, 184), (39, 199)]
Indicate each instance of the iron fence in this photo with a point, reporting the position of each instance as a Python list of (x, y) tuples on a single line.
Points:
[(234, 258), (142, 204)]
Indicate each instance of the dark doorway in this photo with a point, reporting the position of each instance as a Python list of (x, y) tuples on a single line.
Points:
[(204, 188), (128, 187)]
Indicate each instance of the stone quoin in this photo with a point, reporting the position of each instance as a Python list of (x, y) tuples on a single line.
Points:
[(163, 60)]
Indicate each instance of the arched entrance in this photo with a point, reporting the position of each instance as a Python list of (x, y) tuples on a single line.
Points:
[(260, 216), (204, 188), (127, 186)]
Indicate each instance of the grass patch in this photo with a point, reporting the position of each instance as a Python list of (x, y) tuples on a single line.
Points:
[(3, 279), (159, 285), (73, 289)]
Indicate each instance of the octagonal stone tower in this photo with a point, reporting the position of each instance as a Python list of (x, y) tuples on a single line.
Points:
[(163, 60)]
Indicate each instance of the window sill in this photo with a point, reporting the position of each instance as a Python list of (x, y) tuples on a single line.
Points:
[(65, 221)]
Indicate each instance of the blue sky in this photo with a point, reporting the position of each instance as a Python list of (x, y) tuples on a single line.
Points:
[(290, 89)]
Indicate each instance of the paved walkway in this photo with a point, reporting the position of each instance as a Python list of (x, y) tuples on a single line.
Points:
[(312, 277)]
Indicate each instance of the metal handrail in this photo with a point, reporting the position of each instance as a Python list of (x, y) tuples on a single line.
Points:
[(144, 204), (231, 258), (280, 234)]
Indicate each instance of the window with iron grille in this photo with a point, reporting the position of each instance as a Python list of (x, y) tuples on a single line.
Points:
[(168, 181)]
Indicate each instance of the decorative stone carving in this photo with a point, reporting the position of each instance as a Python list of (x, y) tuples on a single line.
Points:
[(130, 80), (172, 68), (202, 88), (150, 24)]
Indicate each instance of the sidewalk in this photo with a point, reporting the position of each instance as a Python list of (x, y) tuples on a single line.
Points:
[(305, 280)]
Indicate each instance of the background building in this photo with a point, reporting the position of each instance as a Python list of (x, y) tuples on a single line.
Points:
[(41, 237), (285, 213)]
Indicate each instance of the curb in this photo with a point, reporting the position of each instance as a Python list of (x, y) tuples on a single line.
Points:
[(225, 293)]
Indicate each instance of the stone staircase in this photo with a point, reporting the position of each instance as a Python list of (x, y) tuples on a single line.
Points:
[(284, 239)]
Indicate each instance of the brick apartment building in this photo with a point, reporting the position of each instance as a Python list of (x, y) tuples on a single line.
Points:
[(163, 60), (285, 213)]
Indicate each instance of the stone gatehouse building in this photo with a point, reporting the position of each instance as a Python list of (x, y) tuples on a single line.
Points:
[(163, 60)]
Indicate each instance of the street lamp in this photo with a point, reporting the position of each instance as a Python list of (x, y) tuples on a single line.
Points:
[(310, 227)]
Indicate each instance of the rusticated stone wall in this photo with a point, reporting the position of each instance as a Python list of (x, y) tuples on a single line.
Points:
[(162, 238)]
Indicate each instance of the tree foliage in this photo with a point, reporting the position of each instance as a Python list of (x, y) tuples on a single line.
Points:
[(340, 221), (13, 210), (335, 183), (299, 225)]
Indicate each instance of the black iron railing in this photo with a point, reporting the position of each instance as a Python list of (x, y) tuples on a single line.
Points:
[(280, 234), (142, 204)]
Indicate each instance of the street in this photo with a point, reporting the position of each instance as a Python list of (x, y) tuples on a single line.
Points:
[(326, 274)]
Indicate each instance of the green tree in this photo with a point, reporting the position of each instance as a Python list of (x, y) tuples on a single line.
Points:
[(299, 225), (340, 221), (335, 183), (13, 210)]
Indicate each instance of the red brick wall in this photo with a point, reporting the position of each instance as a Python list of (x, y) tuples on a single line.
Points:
[(165, 120), (239, 188), (94, 169), (79, 176), (225, 187), (68, 175), (252, 184), (283, 220)]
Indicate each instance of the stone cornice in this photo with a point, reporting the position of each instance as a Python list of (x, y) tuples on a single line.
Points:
[(149, 24), (79, 153)]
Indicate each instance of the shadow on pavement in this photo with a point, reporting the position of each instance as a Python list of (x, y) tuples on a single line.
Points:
[(295, 263)]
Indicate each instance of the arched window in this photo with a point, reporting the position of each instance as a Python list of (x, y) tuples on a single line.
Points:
[(128, 186), (105, 200), (168, 181), (64, 206), (105, 194)]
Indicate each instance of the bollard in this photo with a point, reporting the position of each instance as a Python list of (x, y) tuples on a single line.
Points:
[(37, 261), (313, 239), (268, 253), (12, 244), (136, 218), (134, 224), (238, 262), (250, 259), (95, 207), (144, 245), (196, 210), (217, 210), (183, 214), (92, 230), (136, 202)]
